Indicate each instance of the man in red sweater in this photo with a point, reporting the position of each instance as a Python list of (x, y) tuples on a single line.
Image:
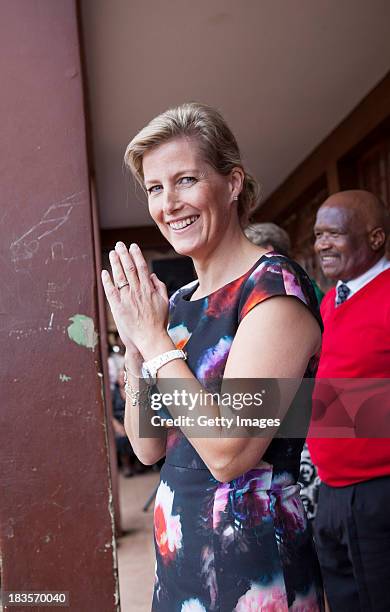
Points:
[(352, 527)]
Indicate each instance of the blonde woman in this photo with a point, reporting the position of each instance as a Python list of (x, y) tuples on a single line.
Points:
[(230, 529)]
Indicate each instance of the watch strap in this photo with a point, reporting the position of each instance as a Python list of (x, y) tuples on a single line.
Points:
[(153, 365)]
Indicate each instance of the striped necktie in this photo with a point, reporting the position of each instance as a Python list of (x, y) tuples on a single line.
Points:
[(343, 292)]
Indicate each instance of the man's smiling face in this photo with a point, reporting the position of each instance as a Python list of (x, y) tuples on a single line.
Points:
[(342, 241)]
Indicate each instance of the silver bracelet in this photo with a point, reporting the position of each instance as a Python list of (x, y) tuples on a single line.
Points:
[(132, 394)]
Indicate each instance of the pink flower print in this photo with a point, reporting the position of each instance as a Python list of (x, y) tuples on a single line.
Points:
[(263, 599), (214, 359), (257, 505), (174, 435), (288, 507), (258, 272), (208, 573), (227, 538), (250, 501), (167, 527), (282, 480), (192, 605), (292, 286), (220, 501), (294, 514)]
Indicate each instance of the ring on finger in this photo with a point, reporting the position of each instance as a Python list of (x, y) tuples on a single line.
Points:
[(120, 278), (122, 285)]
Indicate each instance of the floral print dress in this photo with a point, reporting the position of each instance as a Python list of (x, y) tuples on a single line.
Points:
[(246, 545)]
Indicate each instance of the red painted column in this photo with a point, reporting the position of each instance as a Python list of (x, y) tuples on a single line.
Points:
[(56, 508)]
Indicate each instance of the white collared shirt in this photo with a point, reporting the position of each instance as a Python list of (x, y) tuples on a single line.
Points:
[(358, 283)]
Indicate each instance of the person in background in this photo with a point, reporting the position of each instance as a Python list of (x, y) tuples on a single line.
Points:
[(352, 526), (116, 361), (269, 236), (274, 238), (112, 369)]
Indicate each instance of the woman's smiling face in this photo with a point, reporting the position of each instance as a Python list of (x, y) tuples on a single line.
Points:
[(189, 201)]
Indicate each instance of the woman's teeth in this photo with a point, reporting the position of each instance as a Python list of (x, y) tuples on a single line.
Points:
[(183, 222)]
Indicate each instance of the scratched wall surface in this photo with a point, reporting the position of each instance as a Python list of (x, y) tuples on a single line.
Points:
[(56, 511)]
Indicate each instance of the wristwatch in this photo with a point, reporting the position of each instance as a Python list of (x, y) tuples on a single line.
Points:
[(150, 368)]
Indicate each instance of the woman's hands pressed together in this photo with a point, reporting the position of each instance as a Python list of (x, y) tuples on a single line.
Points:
[(140, 309)]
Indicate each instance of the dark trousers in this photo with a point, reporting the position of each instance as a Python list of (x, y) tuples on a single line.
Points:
[(352, 533)]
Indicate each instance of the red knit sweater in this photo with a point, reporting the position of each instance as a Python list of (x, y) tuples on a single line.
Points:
[(356, 344)]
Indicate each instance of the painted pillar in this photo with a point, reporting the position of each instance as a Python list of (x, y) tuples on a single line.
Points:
[(56, 509)]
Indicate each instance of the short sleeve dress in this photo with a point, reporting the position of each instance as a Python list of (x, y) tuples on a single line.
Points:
[(244, 545)]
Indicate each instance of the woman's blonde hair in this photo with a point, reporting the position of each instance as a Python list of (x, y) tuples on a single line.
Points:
[(216, 141)]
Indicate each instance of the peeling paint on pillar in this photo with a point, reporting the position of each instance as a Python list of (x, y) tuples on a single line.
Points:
[(65, 378), (82, 331)]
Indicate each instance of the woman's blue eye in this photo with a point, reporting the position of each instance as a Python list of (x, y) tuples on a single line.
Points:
[(187, 180), (153, 189), (184, 180)]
